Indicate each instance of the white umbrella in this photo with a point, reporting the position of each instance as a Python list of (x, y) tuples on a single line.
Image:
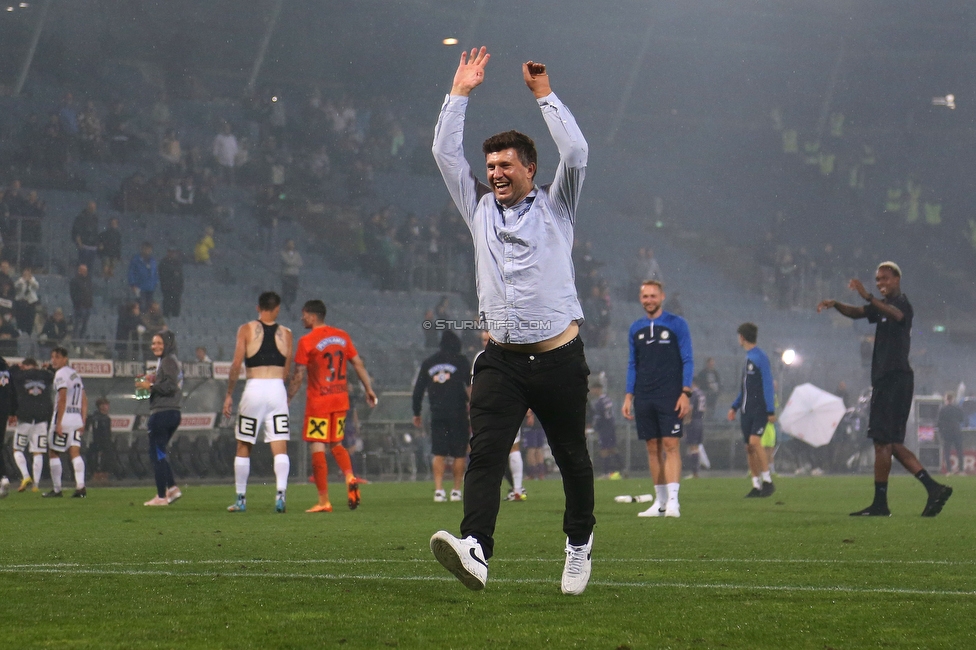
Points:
[(812, 415)]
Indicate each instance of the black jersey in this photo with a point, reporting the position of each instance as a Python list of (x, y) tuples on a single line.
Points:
[(445, 377), (6, 393), (892, 339), (32, 394)]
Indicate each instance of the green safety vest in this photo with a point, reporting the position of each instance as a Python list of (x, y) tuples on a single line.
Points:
[(893, 201), (811, 153), (790, 141), (827, 163), (837, 125)]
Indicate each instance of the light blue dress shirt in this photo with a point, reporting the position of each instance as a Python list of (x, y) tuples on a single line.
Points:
[(523, 254)]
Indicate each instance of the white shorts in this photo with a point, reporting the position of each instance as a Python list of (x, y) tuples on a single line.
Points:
[(264, 405), (72, 429), (31, 436)]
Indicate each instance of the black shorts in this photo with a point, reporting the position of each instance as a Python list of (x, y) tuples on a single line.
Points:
[(891, 402), (654, 422), (753, 424), (695, 432), (449, 437), (608, 437)]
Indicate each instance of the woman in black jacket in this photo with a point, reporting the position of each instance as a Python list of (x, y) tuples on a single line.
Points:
[(165, 398)]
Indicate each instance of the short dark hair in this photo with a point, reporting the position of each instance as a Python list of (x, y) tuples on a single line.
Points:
[(29, 361), (315, 307), (523, 145), (60, 351), (100, 401), (268, 300), (749, 332)]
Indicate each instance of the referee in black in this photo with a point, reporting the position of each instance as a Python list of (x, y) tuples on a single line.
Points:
[(893, 384)]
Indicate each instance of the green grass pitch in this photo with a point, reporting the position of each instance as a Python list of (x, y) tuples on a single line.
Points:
[(791, 571)]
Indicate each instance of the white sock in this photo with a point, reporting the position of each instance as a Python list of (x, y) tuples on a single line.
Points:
[(673, 492), (515, 463), (281, 467), (242, 469), (756, 483), (766, 477), (55, 464), (21, 461), (78, 463), (38, 468), (660, 494)]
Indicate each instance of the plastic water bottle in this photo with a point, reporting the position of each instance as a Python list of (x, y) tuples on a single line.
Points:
[(141, 393)]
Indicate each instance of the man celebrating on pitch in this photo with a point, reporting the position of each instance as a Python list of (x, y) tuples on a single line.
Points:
[(523, 240), (893, 387)]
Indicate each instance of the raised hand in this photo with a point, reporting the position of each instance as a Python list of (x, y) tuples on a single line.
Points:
[(825, 304), (470, 72), (858, 286), (536, 78)]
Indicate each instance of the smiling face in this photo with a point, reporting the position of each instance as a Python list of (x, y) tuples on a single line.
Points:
[(508, 177), (888, 282), (158, 345), (651, 299)]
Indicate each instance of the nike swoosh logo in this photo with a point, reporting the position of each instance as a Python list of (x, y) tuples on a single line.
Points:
[(476, 558)]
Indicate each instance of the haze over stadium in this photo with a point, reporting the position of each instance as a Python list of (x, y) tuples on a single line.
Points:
[(753, 156)]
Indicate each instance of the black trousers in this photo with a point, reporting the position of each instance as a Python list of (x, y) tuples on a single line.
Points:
[(506, 384)]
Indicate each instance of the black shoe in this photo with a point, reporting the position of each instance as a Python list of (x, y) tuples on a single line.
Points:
[(52, 495), (754, 493), (937, 499), (80, 494), (767, 489), (872, 511)]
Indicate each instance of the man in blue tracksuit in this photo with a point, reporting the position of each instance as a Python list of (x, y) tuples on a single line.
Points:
[(756, 403), (659, 376)]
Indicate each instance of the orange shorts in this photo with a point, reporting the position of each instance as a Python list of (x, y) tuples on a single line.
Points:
[(329, 429)]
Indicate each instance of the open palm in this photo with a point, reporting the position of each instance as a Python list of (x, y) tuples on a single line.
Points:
[(471, 71)]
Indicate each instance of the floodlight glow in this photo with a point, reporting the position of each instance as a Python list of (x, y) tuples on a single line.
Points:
[(789, 357), (450, 41), (275, 98), (24, 5), (10, 8)]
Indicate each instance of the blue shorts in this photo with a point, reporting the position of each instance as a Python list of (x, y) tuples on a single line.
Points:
[(753, 424), (695, 432), (653, 422), (534, 438)]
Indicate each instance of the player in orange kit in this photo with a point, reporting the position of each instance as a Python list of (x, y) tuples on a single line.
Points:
[(324, 354)]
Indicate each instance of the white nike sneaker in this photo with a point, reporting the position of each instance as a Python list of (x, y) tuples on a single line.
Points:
[(673, 510), (456, 495), (656, 510), (576, 570), (440, 496), (462, 557)]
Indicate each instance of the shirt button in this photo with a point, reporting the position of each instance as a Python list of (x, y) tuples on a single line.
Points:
[(531, 357)]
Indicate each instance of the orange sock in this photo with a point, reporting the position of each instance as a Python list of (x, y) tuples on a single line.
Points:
[(320, 469), (343, 460)]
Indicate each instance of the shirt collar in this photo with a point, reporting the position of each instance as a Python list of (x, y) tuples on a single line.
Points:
[(523, 205)]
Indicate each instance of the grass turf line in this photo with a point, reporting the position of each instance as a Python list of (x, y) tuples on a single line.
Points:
[(790, 571)]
